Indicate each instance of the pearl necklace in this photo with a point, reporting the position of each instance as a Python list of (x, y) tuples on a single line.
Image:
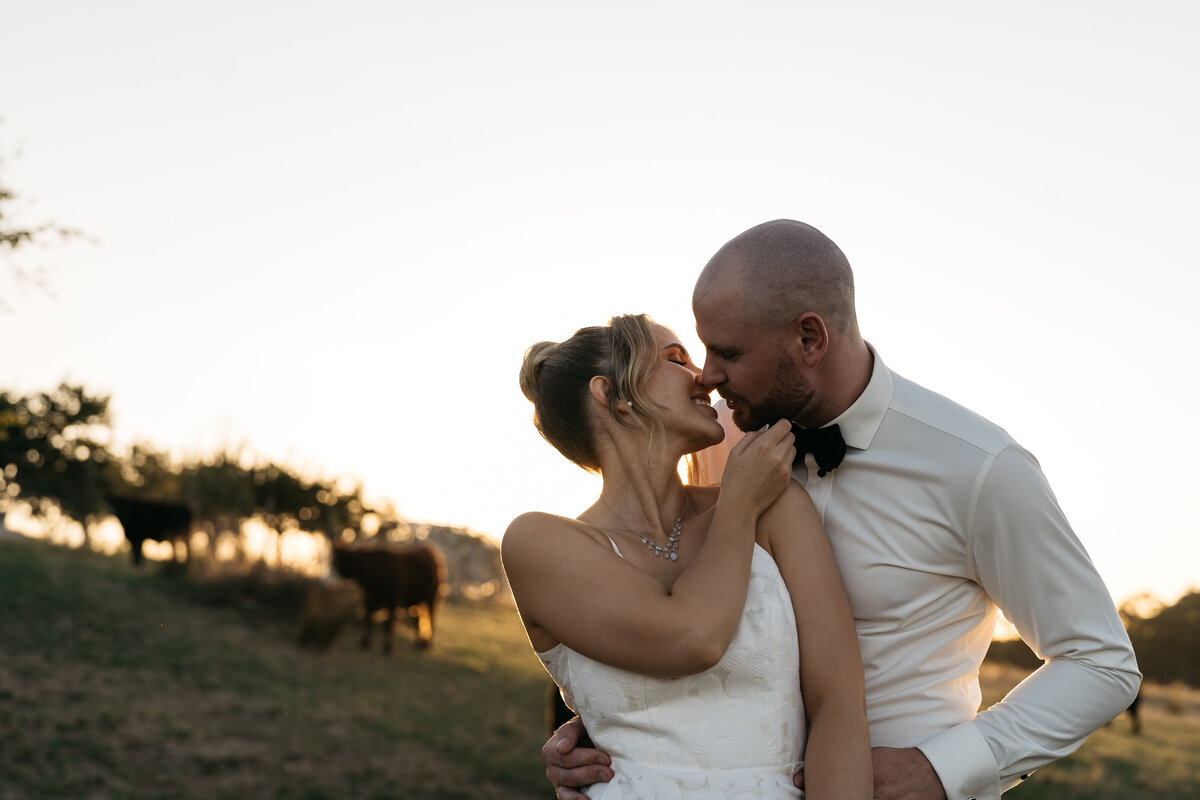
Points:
[(672, 540)]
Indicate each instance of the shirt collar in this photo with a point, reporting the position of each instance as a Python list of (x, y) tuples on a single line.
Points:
[(862, 419)]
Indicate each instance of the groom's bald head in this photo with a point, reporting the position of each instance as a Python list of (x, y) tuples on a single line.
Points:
[(776, 271)]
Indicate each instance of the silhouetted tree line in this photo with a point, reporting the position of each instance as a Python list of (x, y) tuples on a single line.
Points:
[(55, 453), (54, 450), (1167, 643)]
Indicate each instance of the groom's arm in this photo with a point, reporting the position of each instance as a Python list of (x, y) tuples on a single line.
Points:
[(1026, 557)]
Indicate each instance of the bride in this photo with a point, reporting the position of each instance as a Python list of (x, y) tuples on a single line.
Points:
[(681, 621)]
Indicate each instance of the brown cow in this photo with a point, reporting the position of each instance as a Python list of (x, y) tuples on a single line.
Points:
[(392, 577)]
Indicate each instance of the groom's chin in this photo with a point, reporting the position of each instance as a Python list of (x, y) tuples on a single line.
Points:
[(744, 420)]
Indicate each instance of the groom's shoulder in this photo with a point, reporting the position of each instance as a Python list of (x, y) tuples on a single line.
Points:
[(938, 414)]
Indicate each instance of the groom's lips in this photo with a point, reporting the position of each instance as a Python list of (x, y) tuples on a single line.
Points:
[(736, 407)]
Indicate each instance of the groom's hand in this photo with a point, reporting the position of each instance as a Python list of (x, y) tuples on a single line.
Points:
[(905, 774), (900, 774), (569, 766)]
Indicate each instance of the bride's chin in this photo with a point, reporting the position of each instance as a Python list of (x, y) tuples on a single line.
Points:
[(707, 441)]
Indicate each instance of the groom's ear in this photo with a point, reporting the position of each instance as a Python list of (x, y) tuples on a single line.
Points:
[(810, 338)]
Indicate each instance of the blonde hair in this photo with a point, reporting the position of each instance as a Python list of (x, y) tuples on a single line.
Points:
[(555, 377)]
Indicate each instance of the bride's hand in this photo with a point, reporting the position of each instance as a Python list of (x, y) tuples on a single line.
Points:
[(760, 466)]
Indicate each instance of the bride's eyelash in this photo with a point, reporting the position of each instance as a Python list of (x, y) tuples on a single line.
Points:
[(676, 355)]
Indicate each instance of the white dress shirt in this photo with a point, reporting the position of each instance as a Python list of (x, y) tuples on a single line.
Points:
[(936, 518)]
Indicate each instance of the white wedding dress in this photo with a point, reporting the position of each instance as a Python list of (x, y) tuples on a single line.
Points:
[(733, 732)]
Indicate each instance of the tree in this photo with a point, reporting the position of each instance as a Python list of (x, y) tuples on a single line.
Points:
[(54, 451), (15, 235), (1166, 640), (1166, 643), (287, 500)]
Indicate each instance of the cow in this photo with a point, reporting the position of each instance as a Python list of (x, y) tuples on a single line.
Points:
[(1134, 719), (158, 520), (412, 577)]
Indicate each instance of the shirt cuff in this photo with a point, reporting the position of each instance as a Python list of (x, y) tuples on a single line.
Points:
[(964, 763)]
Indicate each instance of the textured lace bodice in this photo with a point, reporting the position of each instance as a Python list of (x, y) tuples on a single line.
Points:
[(734, 731)]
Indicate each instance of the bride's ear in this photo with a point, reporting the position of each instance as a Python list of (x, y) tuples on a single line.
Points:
[(599, 387)]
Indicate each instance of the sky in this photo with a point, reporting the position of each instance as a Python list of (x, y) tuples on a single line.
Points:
[(325, 232)]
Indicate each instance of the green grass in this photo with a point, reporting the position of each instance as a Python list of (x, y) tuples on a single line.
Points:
[(1160, 763), (118, 682), (125, 683)]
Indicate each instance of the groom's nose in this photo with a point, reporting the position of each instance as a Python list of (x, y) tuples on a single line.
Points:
[(710, 377)]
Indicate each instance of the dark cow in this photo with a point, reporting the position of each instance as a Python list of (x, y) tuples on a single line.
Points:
[(151, 519), (412, 578), (1135, 721)]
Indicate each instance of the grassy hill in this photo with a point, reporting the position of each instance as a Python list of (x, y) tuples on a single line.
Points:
[(124, 683)]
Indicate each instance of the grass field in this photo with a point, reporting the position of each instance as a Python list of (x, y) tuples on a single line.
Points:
[(1162, 763), (124, 683)]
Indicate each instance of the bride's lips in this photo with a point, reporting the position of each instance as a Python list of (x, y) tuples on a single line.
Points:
[(704, 400)]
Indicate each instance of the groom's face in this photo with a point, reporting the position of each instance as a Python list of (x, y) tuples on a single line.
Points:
[(750, 366)]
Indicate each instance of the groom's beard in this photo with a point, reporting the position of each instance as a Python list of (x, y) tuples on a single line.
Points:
[(787, 397)]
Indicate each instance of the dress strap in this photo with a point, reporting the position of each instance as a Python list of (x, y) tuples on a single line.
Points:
[(616, 549)]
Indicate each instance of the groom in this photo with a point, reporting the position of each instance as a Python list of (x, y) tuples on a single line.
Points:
[(936, 518)]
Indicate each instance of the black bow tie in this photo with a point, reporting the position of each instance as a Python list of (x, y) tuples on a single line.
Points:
[(826, 444)]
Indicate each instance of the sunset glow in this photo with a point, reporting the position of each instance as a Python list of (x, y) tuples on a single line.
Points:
[(325, 234)]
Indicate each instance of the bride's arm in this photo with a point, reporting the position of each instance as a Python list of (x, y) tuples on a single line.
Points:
[(579, 593), (837, 761)]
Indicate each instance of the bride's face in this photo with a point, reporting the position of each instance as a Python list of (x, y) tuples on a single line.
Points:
[(683, 403)]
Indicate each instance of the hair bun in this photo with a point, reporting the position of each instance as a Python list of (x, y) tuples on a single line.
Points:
[(531, 369)]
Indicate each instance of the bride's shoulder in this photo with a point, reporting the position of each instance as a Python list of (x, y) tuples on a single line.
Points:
[(537, 522), (536, 535), (703, 498), (537, 525), (792, 514)]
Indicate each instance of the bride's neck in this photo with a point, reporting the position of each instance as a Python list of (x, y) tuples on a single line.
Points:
[(644, 491)]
